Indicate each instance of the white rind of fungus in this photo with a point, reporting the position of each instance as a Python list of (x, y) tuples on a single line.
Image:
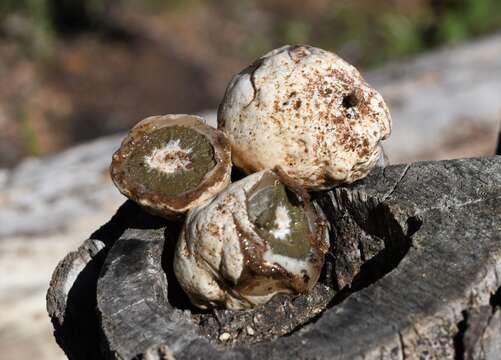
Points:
[(170, 158), (282, 223), (307, 111), (291, 264)]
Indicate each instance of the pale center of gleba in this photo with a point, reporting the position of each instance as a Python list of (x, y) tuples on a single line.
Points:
[(282, 223), (170, 158)]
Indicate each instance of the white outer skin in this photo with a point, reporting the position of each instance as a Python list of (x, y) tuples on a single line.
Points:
[(209, 249), (293, 117)]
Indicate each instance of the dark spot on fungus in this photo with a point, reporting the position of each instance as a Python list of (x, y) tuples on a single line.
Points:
[(350, 100)]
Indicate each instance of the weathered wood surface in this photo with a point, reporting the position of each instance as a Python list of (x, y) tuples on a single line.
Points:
[(416, 263), (71, 298), (482, 336)]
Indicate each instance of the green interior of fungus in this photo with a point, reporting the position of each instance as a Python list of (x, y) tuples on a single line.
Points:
[(201, 158), (263, 205)]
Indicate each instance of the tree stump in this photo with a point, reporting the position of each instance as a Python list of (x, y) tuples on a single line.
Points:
[(413, 272)]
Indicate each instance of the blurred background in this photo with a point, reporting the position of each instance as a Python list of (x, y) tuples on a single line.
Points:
[(74, 73)]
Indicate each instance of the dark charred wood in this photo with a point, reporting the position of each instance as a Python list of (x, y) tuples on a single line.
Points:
[(414, 269)]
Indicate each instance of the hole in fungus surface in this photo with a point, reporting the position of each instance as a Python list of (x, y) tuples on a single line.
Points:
[(350, 100), (367, 228)]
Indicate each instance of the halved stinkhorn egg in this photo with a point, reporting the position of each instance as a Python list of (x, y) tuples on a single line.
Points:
[(257, 238), (169, 164)]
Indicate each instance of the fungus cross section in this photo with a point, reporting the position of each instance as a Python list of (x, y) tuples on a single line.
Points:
[(171, 160)]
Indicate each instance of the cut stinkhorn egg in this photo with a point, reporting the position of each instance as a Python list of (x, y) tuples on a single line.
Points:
[(257, 238), (169, 164)]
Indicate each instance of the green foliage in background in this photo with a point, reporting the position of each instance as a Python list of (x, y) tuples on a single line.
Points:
[(473, 18), (365, 31), (371, 32), (28, 135), (36, 31)]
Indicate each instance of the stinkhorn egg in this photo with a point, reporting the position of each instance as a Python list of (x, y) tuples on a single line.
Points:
[(307, 111), (257, 238), (169, 164)]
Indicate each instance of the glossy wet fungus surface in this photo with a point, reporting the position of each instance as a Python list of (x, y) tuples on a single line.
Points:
[(281, 220)]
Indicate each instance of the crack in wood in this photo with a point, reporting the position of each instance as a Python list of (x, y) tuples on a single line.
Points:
[(394, 187)]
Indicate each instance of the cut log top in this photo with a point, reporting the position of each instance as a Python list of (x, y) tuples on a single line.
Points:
[(416, 258)]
